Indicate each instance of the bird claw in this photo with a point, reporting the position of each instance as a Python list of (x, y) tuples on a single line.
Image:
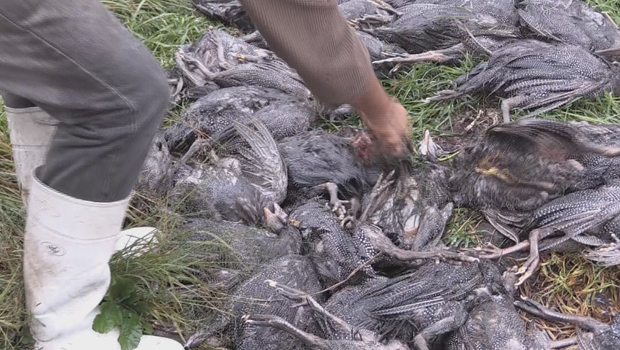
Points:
[(488, 252), (339, 208), (347, 221), (290, 293), (527, 269)]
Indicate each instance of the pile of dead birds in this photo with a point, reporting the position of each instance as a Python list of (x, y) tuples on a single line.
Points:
[(336, 248)]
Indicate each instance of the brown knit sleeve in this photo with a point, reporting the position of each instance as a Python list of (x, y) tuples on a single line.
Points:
[(313, 37)]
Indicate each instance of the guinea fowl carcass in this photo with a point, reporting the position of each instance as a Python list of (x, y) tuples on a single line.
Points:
[(319, 161), (215, 51), (582, 216), (249, 248), (340, 335), (443, 32), (216, 113), (333, 251), (591, 334), (223, 60), (235, 188), (456, 28), (403, 219), (255, 296), (519, 166), (493, 323), (230, 12), (537, 77), (417, 310), (537, 177), (426, 27), (569, 21)]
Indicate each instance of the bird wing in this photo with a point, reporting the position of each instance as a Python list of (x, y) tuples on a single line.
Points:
[(261, 162)]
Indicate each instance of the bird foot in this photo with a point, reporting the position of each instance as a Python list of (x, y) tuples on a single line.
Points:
[(527, 269), (488, 252), (337, 204), (347, 222), (430, 56), (291, 293)]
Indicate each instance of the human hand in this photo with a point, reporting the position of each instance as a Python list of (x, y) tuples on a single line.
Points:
[(389, 127)]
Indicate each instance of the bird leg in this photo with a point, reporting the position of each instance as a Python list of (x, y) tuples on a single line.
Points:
[(532, 262), (196, 79), (430, 56), (543, 312), (386, 7), (306, 299), (255, 35), (608, 254), (220, 52), (510, 103), (496, 253), (278, 322), (383, 244), (438, 328), (356, 207), (193, 149), (564, 343), (376, 197), (337, 205)]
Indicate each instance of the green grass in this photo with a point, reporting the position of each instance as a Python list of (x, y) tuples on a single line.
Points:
[(165, 275)]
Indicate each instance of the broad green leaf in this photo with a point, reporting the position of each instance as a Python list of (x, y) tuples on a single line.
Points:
[(142, 308), (131, 331), (109, 318), (121, 289), (132, 299)]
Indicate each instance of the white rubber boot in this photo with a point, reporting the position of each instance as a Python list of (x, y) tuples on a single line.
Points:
[(31, 130), (67, 247)]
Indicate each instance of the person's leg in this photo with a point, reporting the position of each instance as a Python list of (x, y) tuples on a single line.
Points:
[(74, 60), (30, 132)]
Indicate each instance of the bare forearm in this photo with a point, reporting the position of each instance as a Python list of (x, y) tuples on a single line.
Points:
[(313, 37)]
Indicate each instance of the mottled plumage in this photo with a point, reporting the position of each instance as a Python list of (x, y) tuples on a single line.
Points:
[(283, 120), (419, 307), (339, 335), (377, 49), (412, 209), (332, 250), (427, 27), (316, 157), (236, 189), (513, 169), (570, 21), (365, 9), (495, 324), (156, 173), (218, 110), (250, 248), (215, 53), (537, 76), (227, 11), (256, 296), (275, 75), (599, 336)]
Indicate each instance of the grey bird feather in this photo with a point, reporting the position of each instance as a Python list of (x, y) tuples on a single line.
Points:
[(537, 77), (570, 21), (236, 189)]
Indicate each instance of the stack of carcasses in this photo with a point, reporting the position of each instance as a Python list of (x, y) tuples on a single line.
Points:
[(334, 249)]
